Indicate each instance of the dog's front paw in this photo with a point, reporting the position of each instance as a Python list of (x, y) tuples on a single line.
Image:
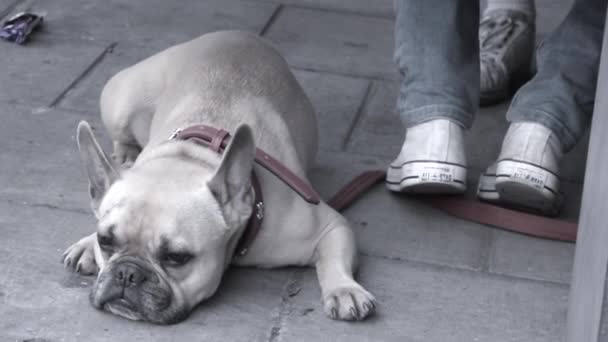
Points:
[(349, 303), (80, 257)]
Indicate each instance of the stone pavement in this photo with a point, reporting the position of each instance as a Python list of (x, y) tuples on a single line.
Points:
[(436, 278)]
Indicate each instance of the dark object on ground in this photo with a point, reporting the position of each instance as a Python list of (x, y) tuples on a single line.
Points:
[(18, 28)]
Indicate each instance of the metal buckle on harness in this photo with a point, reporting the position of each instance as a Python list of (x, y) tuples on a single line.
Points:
[(175, 133)]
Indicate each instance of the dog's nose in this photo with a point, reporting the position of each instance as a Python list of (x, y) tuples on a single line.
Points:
[(129, 274)]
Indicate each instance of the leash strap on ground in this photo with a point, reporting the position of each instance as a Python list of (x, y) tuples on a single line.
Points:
[(475, 211)]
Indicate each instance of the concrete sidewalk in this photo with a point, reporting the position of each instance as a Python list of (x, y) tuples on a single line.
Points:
[(436, 278)]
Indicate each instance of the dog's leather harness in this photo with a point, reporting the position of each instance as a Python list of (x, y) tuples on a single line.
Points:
[(217, 140)]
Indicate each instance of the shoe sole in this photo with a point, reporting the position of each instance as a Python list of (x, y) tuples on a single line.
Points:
[(486, 188), (527, 185), (427, 177)]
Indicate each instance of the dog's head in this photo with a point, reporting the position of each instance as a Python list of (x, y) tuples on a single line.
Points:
[(167, 226)]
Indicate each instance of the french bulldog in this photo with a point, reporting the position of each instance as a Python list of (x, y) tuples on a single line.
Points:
[(170, 212)]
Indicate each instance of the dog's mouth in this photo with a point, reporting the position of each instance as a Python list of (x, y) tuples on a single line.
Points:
[(113, 300), (123, 308)]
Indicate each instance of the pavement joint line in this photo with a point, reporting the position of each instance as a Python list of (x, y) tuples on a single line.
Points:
[(8, 10), (370, 91), (271, 20), (345, 12), (82, 75), (379, 15), (471, 271), (291, 289), (47, 206), (487, 251), (343, 74)]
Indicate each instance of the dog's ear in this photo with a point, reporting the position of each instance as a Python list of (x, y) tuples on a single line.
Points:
[(99, 169), (231, 181)]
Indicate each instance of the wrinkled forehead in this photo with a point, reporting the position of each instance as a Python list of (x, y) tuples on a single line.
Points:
[(153, 215)]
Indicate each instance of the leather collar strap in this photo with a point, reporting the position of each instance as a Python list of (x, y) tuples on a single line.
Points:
[(217, 140), (255, 220)]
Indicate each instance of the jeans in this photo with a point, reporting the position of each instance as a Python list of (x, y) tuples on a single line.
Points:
[(437, 52)]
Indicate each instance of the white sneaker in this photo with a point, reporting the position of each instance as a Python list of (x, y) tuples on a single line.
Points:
[(432, 160), (526, 173), (506, 49)]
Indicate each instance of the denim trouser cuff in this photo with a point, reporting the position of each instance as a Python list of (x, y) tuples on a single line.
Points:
[(566, 137)]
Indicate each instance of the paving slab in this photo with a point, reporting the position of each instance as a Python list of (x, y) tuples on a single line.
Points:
[(336, 98), (84, 97), (422, 303), (40, 300), (342, 43), (380, 132), (5, 6), (41, 70), (533, 258), (40, 160), (155, 23), (527, 257)]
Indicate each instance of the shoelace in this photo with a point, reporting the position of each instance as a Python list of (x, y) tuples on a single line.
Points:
[(495, 32)]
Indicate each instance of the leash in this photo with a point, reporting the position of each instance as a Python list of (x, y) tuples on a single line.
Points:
[(516, 221), (475, 211)]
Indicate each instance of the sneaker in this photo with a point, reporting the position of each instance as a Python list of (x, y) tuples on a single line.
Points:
[(432, 160), (506, 49), (526, 174)]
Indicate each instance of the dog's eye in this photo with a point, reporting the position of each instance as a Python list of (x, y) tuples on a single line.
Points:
[(176, 259), (105, 242)]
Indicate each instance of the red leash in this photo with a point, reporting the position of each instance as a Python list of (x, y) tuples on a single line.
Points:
[(475, 211)]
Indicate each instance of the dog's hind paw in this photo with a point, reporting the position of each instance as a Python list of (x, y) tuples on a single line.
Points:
[(80, 257), (349, 303)]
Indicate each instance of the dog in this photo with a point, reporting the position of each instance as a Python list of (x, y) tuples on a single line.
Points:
[(171, 212)]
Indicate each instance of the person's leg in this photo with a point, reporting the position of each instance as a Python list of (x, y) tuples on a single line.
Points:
[(549, 114), (437, 52), (506, 47), (561, 94)]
